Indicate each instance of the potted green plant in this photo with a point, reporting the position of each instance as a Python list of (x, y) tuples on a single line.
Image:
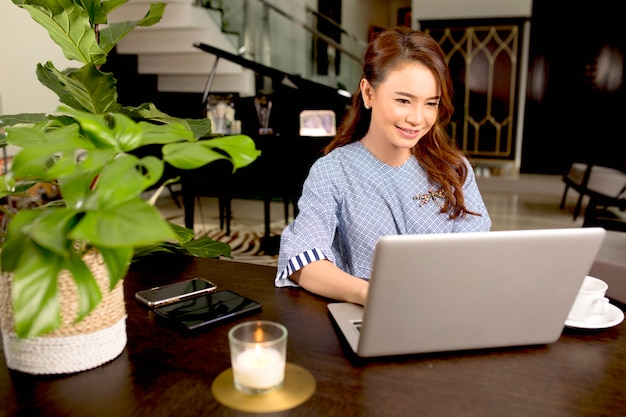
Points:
[(87, 150)]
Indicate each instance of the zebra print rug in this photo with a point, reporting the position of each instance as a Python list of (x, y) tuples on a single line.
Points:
[(249, 243)]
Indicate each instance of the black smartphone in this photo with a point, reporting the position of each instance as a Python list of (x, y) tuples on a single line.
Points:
[(207, 309), (172, 293)]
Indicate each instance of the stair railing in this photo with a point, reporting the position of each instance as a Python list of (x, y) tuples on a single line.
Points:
[(265, 30)]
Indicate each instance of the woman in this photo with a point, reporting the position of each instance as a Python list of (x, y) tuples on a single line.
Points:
[(391, 169)]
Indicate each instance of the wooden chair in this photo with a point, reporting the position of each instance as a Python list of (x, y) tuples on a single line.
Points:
[(575, 178), (605, 210), (603, 185), (609, 217)]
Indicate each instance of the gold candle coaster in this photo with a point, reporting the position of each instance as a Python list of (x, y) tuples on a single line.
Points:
[(298, 387)]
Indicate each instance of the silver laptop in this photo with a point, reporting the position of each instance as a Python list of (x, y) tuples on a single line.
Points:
[(462, 291)]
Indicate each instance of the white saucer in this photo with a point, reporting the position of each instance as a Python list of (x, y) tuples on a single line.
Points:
[(613, 317)]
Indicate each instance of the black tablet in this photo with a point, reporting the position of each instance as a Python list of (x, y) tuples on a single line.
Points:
[(207, 309)]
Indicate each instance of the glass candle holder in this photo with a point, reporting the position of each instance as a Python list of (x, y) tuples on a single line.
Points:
[(258, 352)]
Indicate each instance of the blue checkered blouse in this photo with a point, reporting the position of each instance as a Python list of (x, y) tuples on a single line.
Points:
[(350, 199)]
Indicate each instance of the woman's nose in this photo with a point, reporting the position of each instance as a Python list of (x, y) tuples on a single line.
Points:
[(415, 116)]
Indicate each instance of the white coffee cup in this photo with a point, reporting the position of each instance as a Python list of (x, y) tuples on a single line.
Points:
[(590, 300)]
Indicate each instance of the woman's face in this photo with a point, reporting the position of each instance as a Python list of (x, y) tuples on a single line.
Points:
[(404, 108)]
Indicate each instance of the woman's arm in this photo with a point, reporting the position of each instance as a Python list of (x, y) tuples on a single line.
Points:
[(326, 279)]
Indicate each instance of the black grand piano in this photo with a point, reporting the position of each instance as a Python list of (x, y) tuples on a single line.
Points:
[(286, 156)]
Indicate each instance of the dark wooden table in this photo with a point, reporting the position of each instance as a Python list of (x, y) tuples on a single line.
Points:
[(164, 372)]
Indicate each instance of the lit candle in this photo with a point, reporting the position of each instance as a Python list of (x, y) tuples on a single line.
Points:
[(258, 353), (259, 368)]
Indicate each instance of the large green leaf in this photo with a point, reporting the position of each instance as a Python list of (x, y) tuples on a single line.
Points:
[(69, 27), (152, 169), (184, 234), (34, 290), (133, 224), (128, 134), (190, 155), (96, 127), (40, 150), (97, 14), (32, 163), (50, 230), (114, 32), (148, 112), (95, 89), (123, 180), (205, 247), (12, 253), (117, 261), (154, 15), (51, 140), (187, 245), (110, 5), (87, 89), (160, 134), (68, 166), (89, 294), (96, 159), (123, 134), (200, 127), (75, 189), (15, 119), (7, 186), (240, 148), (26, 136)]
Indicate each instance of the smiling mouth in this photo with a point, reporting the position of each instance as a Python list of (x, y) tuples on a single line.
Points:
[(409, 131)]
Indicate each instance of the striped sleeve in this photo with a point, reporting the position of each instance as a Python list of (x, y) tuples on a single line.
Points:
[(296, 263)]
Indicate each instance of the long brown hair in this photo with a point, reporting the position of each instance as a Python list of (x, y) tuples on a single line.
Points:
[(436, 152)]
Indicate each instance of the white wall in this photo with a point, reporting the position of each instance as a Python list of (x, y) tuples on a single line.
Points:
[(468, 9), (358, 15), (24, 44)]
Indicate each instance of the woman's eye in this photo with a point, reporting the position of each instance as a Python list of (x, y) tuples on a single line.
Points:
[(402, 100)]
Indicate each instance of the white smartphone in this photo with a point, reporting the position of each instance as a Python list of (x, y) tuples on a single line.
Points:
[(178, 291)]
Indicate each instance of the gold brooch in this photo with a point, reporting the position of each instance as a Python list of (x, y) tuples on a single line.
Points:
[(438, 197)]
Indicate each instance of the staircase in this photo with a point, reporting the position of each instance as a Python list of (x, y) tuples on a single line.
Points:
[(166, 49)]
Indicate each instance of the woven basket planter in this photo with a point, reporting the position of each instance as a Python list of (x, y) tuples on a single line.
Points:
[(98, 338)]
